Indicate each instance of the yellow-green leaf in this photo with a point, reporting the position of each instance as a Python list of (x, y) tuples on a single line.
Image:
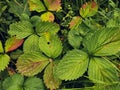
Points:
[(103, 42), (30, 64), (36, 5), (43, 27), (73, 65), (48, 16), (1, 47), (50, 45), (31, 44), (4, 61), (102, 71), (21, 29)]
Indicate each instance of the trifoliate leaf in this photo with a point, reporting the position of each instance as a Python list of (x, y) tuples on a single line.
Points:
[(73, 65), (53, 5), (36, 5), (30, 64), (102, 71), (4, 61), (21, 29), (1, 47), (43, 27), (50, 45), (14, 82), (75, 22), (50, 80), (74, 38), (17, 82), (12, 44), (88, 9), (48, 16), (103, 42), (31, 44), (33, 83)]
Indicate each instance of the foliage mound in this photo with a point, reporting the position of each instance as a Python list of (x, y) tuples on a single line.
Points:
[(59, 44)]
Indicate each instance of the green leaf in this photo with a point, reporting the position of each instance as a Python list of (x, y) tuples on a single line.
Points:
[(18, 8), (14, 82), (88, 9), (74, 38), (108, 49), (31, 44), (12, 44), (53, 5), (21, 29), (14, 55), (30, 64), (114, 21), (50, 80), (36, 5), (103, 42), (102, 70), (35, 20), (33, 83), (17, 82), (4, 61), (43, 27), (73, 65), (113, 86), (24, 17), (50, 45), (101, 87), (1, 47)]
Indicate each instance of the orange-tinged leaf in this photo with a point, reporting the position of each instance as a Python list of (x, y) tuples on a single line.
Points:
[(12, 44), (30, 64), (53, 5), (48, 16), (75, 22), (50, 80), (11, 71), (88, 9)]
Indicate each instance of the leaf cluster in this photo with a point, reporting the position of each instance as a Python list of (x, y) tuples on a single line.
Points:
[(59, 44)]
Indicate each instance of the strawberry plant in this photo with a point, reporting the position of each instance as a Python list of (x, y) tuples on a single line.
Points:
[(59, 44)]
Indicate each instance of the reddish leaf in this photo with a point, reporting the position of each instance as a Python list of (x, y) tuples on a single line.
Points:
[(88, 9), (30, 64), (51, 81), (12, 44), (75, 22), (53, 5)]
